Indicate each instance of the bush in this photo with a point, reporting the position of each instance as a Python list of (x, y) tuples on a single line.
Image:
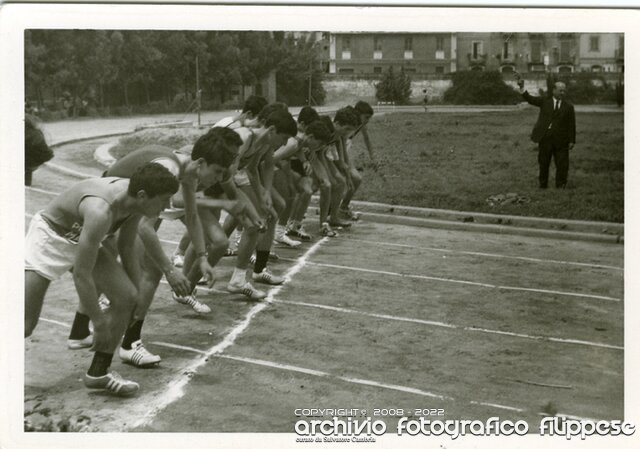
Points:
[(394, 87), (588, 88), (477, 87)]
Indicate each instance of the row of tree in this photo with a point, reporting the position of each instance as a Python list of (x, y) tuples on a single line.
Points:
[(102, 69)]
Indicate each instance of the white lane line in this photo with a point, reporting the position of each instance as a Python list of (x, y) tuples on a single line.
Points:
[(396, 388), (460, 281), (183, 348), (46, 192), (450, 326), (281, 366), (474, 253), (502, 407), (69, 171), (59, 323), (175, 389)]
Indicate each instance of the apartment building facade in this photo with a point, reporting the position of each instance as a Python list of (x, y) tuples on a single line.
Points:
[(435, 54)]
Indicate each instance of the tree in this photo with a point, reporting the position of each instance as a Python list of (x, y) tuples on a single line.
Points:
[(394, 87), (297, 67)]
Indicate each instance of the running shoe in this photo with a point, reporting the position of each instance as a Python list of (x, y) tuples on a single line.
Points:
[(138, 355), (247, 290), (192, 302), (339, 224), (272, 257), (299, 233), (266, 277), (113, 383), (349, 214), (177, 260), (326, 231), (85, 342), (282, 238)]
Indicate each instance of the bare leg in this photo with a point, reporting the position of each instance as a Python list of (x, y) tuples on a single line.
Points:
[(35, 287)]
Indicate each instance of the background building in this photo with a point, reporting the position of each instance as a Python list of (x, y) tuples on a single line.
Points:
[(434, 54)]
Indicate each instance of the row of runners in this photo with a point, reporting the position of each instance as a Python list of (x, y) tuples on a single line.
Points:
[(261, 167)]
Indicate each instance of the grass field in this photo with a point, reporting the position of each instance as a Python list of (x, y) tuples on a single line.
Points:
[(458, 160)]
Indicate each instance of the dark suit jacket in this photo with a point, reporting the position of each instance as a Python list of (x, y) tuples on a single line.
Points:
[(563, 121)]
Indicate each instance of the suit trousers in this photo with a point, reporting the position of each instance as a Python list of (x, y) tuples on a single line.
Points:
[(547, 149)]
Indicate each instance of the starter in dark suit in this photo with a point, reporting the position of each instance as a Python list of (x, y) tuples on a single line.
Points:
[(554, 132)]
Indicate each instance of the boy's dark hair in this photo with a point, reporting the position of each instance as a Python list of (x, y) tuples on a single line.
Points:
[(271, 108), (363, 108), (36, 150), (254, 104), (328, 123), (318, 130), (283, 122), (154, 179), (307, 115), (230, 137), (218, 146), (347, 116)]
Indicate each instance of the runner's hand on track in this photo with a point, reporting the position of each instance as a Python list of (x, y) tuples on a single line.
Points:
[(207, 271), (178, 282)]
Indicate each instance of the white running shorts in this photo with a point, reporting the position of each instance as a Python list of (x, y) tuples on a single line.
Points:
[(47, 253)]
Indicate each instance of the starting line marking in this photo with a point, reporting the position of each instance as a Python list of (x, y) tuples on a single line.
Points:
[(175, 389)]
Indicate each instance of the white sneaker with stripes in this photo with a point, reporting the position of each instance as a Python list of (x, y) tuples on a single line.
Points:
[(192, 302), (138, 355), (113, 383)]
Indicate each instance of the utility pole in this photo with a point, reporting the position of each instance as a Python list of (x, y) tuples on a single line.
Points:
[(198, 93), (310, 79)]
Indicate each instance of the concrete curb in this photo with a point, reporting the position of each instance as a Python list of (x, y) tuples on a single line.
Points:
[(103, 155), (605, 232), (515, 221)]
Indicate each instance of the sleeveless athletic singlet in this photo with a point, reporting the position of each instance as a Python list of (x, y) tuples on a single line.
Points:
[(63, 214)]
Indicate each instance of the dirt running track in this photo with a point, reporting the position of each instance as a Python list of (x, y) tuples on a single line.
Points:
[(390, 317)]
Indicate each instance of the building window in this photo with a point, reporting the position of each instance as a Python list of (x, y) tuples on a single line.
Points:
[(377, 43), (596, 68), (507, 69), (439, 43), (476, 49), (536, 51), (408, 47), (346, 44), (346, 48), (377, 47), (377, 70), (439, 69), (345, 70), (594, 43), (408, 43), (506, 54), (565, 51)]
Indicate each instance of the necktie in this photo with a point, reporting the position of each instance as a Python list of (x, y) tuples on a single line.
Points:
[(557, 105)]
